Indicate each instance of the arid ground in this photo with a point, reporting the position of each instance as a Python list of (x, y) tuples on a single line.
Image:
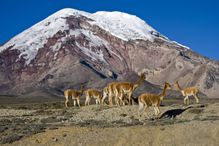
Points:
[(47, 122)]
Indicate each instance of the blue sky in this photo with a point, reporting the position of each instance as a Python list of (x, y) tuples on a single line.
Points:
[(194, 23)]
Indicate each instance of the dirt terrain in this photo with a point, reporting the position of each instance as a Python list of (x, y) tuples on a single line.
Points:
[(50, 123)]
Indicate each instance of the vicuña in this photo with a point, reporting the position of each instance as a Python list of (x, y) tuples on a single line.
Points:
[(93, 93), (189, 91), (146, 100), (127, 88), (74, 94)]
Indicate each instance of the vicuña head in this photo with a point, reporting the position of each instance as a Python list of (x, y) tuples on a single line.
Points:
[(189, 91), (146, 100)]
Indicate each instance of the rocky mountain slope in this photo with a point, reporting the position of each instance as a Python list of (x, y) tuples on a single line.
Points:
[(72, 47)]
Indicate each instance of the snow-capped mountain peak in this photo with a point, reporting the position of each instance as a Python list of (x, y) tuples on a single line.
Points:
[(121, 25)]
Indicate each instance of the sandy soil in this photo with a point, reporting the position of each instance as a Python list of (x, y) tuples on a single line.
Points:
[(52, 124), (193, 133)]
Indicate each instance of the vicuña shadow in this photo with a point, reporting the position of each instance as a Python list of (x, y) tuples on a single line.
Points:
[(171, 114)]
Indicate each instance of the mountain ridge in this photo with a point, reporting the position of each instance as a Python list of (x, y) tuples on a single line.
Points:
[(61, 52)]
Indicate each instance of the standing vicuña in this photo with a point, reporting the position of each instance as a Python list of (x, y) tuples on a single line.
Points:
[(189, 91), (105, 94), (74, 94), (93, 93), (110, 92), (119, 89), (146, 99)]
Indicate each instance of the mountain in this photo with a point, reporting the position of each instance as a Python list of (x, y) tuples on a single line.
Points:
[(72, 47)]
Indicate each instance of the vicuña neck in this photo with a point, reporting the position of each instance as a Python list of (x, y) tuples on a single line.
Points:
[(164, 91), (140, 80), (178, 86), (135, 86), (81, 90)]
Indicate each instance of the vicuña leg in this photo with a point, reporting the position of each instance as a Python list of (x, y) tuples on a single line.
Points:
[(87, 101), (145, 109), (196, 98), (117, 101), (129, 97), (97, 101), (66, 101), (121, 99), (78, 101), (110, 99), (158, 108), (74, 102), (155, 111), (158, 111), (140, 109), (185, 100), (103, 99)]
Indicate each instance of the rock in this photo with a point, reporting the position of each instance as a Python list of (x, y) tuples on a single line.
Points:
[(55, 139), (64, 135)]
